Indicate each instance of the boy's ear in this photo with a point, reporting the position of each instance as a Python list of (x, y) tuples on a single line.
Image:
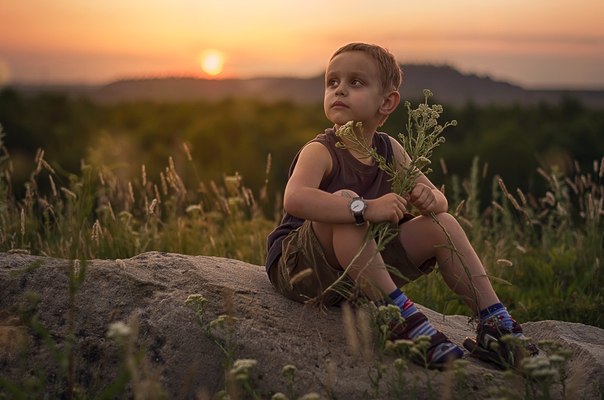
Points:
[(391, 101)]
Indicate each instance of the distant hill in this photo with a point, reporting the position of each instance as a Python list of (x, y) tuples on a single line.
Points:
[(448, 84)]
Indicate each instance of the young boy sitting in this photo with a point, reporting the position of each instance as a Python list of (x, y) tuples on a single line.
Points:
[(333, 194)]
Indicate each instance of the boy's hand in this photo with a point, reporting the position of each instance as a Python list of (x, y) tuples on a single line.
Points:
[(423, 197), (390, 207)]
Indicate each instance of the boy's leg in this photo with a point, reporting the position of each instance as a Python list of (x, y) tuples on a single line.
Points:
[(302, 273), (464, 273), (423, 239), (344, 245)]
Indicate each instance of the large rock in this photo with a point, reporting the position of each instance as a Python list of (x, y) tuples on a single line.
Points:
[(172, 350)]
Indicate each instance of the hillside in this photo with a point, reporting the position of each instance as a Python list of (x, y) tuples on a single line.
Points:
[(450, 86)]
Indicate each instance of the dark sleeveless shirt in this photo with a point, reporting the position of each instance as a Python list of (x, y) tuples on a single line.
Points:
[(368, 181)]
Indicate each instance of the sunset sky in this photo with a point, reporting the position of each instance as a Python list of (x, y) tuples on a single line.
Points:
[(537, 43)]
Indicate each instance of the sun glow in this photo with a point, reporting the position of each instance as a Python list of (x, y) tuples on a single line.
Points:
[(212, 62)]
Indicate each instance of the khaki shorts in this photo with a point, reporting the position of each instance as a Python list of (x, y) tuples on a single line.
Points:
[(301, 251)]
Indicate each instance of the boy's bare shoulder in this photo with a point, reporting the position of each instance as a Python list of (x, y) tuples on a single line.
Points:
[(399, 152), (315, 149), (395, 143), (315, 155)]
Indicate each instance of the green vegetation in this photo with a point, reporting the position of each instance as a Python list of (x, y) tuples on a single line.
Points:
[(117, 180), (237, 135), (543, 254), (164, 177)]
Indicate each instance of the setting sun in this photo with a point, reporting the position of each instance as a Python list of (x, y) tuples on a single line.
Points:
[(212, 62)]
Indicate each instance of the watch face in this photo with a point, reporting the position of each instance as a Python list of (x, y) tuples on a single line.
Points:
[(357, 205)]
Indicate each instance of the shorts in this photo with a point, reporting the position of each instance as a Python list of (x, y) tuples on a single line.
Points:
[(303, 273)]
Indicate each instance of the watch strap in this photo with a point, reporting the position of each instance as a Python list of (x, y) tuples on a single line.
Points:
[(359, 215)]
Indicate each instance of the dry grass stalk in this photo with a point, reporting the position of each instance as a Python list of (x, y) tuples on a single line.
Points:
[(364, 324), (350, 332)]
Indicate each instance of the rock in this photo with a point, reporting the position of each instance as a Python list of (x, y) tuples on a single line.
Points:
[(170, 350)]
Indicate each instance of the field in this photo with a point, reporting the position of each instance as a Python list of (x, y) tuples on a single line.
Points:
[(84, 181), (543, 252)]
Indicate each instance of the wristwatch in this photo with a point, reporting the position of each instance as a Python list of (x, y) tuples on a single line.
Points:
[(358, 206)]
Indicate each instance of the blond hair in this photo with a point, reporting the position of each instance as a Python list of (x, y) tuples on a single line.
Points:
[(391, 75)]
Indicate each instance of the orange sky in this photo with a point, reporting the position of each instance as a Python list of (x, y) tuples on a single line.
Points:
[(537, 43)]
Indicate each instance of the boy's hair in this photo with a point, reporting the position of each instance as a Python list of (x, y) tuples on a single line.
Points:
[(391, 75)]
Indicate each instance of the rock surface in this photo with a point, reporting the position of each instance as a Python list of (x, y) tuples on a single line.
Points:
[(173, 351)]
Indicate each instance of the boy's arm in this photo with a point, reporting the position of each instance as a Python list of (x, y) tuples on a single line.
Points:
[(424, 195), (302, 197)]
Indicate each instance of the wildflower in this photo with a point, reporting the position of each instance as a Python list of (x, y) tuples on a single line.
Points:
[(241, 368), (389, 313), (118, 330), (195, 299), (288, 370), (422, 162), (222, 321), (423, 341), (399, 346), (400, 364)]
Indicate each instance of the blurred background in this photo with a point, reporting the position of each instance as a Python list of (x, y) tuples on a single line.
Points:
[(226, 84)]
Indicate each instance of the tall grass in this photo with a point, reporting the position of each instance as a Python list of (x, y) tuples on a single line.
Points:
[(97, 214), (543, 252)]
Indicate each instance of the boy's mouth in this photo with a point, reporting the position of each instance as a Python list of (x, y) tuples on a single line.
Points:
[(338, 104)]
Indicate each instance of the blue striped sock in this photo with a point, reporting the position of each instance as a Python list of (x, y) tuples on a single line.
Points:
[(408, 308), (441, 352), (406, 305), (499, 311)]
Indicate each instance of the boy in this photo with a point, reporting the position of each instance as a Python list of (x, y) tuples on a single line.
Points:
[(334, 193)]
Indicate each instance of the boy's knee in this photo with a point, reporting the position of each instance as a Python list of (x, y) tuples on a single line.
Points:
[(448, 221), (445, 217)]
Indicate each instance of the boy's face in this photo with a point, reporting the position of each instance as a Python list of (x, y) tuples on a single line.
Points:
[(353, 91)]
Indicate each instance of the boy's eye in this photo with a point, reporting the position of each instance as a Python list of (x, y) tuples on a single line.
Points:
[(332, 82), (356, 82)]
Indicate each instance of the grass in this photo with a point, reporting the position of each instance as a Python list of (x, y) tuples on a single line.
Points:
[(543, 252), (100, 215)]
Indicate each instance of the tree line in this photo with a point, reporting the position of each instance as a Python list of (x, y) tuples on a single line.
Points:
[(237, 136)]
